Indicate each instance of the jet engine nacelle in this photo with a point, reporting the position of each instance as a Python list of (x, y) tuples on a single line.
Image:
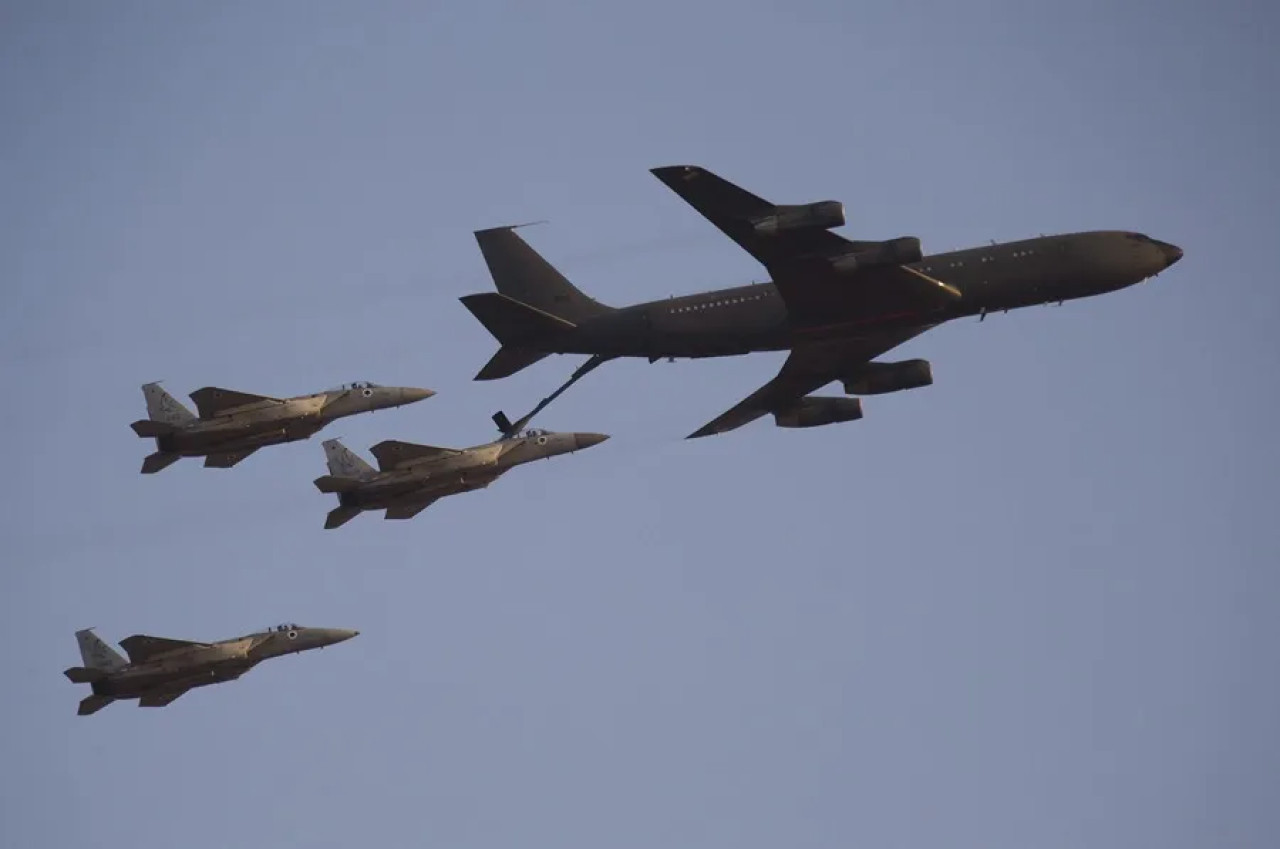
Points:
[(822, 215), (815, 412), (903, 250), (879, 378)]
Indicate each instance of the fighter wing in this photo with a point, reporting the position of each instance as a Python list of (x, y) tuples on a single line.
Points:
[(809, 367), (226, 459), (800, 260), (391, 453), (212, 400), (160, 699), (408, 511), (142, 648)]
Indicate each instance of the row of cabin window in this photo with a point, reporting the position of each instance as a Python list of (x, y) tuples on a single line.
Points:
[(927, 268), (959, 263), (722, 303)]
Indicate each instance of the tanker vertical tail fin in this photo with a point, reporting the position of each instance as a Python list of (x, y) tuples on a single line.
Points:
[(534, 303), (521, 273)]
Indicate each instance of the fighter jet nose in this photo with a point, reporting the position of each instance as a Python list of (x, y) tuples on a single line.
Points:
[(1172, 253), (410, 394), (586, 440)]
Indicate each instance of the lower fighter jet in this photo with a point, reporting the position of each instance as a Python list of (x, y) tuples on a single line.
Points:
[(232, 425), (410, 478), (160, 670)]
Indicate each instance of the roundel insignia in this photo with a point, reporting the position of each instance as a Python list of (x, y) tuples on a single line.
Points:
[(542, 440), (293, 635), (368, 393)]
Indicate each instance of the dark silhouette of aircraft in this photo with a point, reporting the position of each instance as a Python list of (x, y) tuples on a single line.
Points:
[(837, 304)]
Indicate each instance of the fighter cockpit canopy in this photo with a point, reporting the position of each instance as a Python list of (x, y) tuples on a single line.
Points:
[(355, 384), (287, 627), (533, 432)]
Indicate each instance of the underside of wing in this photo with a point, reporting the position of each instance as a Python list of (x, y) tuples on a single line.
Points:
[(226, 459), (784, 389), (160, 698), (141, 647), (213, 401), (391, 453), (808, 368), (739, 214), (408, 511), (819, 274)]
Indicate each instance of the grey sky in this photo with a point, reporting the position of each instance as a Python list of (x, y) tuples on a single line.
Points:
[(1031, 605)]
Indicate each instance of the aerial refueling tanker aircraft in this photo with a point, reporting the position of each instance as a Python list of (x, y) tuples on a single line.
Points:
[(835, 304)]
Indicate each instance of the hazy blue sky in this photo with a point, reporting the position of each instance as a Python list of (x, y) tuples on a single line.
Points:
[(1032, 605)]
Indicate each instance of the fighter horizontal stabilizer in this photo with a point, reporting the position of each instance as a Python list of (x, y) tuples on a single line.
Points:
[(150, 428), (84, 675), (333, 483), (211, 401), (339, 516), (159, 460), (93, 704), (226, 459), (407, 511), (391, 453), (160, 699), (142, 647)]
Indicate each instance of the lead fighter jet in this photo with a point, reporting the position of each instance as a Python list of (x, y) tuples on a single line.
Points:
[(835, 304), (160, 670), (232, 425), (410, 478)]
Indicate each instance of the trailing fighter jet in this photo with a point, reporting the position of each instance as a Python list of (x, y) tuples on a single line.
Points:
[(836, 304), (232, 425), (410, 478), (160, 670)]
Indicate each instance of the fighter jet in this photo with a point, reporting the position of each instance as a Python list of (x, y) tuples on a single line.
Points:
[(410, 478), (160, 670), (232, 425), (835, 303)]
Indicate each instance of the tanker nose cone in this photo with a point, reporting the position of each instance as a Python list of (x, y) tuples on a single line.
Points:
[(410, 394), (586, 440), (1172, 253)]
